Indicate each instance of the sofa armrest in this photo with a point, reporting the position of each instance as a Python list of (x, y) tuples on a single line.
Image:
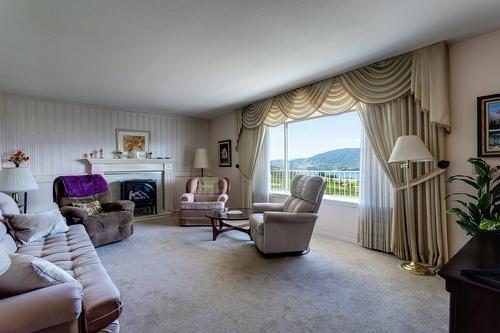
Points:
[(187, 197), (222, 197), (281, 217), (70, 212), (267, 207), (118, 205), (41, 309)]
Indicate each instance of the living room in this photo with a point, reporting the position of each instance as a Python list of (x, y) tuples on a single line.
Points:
[(249, 166)]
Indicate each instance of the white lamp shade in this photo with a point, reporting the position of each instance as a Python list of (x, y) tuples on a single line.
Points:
[(201, 158), (14, 180), (410, 148)]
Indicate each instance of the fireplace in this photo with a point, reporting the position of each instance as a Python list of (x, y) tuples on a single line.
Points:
[(143, 193)]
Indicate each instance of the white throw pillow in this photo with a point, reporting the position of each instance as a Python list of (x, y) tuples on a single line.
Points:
[(27, 273), (8, 205), (31, 227)]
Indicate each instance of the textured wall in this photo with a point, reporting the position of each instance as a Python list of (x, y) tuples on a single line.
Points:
[(56, 135), (474, 72)]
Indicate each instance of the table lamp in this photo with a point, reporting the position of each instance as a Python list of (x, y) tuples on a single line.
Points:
[(408, 149), (15, 180), (201, 159)]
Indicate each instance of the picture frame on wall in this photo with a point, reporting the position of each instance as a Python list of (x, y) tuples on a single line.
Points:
[(225, 153), (128, 140), (488, 126)]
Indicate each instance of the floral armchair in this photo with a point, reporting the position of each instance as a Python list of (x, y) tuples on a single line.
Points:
[(203, 194)]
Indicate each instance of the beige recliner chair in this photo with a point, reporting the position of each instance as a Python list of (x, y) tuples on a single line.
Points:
[(287, 227)]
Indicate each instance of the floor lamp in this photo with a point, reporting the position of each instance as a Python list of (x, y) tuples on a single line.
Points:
[(408, 149), (201, 159)]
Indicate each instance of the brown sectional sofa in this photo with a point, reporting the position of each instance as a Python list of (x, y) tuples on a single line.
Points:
[(91, 305)]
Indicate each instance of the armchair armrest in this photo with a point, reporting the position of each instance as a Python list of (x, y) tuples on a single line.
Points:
[(118, 205), (222, 197), (70, 212), (42, 308), (267, 207), (281, 217), (188, 197)]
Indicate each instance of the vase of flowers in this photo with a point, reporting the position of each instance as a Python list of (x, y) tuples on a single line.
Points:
[(18, 158)]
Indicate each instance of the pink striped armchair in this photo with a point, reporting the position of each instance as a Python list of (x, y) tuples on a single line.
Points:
[(203, 194)]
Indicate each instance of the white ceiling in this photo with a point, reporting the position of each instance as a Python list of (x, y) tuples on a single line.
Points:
[(205, 57)]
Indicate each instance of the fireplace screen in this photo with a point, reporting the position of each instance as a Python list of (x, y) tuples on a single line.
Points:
[(143, 193)]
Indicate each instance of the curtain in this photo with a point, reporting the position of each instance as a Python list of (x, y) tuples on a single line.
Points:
[(375, 202), (423, 73), (249, 144), (407, 94), (404, 117), (260, 184)]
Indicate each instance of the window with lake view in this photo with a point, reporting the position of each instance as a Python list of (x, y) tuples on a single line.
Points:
[(325, 146)]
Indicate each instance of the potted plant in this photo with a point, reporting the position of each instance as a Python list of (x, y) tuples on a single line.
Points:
[(481, 210), (18, 158)]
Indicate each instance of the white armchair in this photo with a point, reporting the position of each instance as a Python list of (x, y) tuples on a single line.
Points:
[(287, 227)]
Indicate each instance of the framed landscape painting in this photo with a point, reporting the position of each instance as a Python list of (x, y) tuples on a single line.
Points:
[(225, 153), (132, 140), (488, 126)]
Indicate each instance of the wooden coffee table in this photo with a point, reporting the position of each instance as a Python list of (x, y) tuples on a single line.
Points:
[(220, 219)]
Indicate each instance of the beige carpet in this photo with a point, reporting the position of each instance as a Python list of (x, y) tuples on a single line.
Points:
[(175, 279)]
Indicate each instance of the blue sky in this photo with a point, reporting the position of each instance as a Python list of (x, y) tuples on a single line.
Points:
[(311, 137), (494, 110)]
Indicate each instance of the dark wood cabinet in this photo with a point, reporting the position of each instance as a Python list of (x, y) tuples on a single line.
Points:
[(474, 302)]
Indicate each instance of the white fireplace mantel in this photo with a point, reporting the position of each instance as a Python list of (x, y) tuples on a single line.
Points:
[(126, 166)]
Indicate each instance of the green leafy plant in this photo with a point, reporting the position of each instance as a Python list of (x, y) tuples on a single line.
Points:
[(482, 210)]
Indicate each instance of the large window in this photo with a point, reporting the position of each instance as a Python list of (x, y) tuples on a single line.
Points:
[(325, 146)]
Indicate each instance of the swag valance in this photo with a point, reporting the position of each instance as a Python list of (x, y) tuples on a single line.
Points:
[(422, 73)]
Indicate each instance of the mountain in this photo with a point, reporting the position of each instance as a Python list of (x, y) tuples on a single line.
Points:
[(338, 159)]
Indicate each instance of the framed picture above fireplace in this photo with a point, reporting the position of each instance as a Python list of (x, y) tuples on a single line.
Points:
[(128, 140)]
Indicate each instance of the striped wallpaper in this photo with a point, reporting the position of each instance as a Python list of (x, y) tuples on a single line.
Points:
[(56, 135)]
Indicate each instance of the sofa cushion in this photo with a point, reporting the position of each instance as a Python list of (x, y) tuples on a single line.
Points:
[(30, 227), (73, 251), (257, 223), (27, 273), (202, 205), (206, 197)]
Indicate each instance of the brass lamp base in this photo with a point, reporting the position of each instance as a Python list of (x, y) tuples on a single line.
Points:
[(414, 268)]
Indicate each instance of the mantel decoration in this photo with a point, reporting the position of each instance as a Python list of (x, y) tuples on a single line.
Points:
[(18, 158), (225, 153), (488, 126), (135, 143), (482, 210)]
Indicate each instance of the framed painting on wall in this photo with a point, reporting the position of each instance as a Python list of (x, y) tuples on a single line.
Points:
[(488, 126), (132, 140), (225, 153)]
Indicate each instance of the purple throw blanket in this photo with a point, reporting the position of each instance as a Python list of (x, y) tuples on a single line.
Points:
[(84, 186)]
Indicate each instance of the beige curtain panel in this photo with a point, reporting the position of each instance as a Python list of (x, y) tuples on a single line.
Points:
[(250, 143), (403, 116)]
